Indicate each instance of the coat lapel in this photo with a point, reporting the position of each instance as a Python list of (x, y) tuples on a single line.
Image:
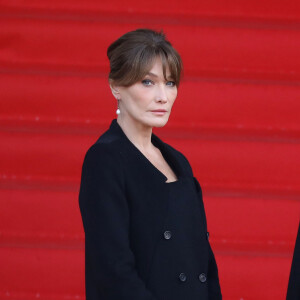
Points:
[(168, 153)]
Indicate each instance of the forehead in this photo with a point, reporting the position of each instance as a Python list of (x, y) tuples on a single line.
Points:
[(157, 68)]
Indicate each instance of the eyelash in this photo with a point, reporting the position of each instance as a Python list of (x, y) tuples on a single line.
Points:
[(172, 83), (147, 81)]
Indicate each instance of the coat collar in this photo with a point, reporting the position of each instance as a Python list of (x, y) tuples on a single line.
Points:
[(170, 155)]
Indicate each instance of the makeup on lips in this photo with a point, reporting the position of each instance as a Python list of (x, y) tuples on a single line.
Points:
[(159, 112)]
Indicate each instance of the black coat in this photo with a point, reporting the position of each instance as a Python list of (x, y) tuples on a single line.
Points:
[(123, 211), (293, 292)]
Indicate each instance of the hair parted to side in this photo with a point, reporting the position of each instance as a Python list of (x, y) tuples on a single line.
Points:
[(133, 54)]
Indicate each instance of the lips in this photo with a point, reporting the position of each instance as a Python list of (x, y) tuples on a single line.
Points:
[(159, 112)]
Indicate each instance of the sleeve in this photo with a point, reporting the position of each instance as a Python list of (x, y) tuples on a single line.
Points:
[(214, 288), (110, 263)]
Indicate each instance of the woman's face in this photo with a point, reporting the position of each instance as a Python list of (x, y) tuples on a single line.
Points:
[(149, 101)]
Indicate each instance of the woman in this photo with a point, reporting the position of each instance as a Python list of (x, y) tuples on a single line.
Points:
[(142, 209)]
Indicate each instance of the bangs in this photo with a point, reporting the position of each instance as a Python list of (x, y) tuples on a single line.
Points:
[(174, 65), (144, 61)]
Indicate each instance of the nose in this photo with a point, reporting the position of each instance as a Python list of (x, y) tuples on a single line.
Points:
[(161, 95)]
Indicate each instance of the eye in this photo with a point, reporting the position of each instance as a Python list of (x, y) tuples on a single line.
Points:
[(147, 82), (171, 83)]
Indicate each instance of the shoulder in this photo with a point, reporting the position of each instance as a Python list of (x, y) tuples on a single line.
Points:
[(101, 167), (106, 146), (104, 153)]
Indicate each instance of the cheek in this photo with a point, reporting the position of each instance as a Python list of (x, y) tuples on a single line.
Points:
[(143, 98), (173, 96), (136, 99)]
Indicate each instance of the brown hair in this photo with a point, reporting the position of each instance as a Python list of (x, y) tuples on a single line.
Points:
[(132, 56)]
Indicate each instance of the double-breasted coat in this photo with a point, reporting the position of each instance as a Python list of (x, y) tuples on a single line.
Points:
[(123, 203)]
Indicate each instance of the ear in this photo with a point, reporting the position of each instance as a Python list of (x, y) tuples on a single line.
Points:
[(114, 89)]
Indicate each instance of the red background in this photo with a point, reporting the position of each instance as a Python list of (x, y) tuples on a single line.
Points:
[(236, 119)]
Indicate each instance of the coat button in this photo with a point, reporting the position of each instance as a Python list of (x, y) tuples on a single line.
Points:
[(167, 235), (182, 277), (202, 277), (207, 235)]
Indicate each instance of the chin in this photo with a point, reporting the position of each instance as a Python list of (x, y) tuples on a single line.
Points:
[(159, 123)]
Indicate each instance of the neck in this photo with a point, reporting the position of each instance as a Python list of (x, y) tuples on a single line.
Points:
[(137, 133)]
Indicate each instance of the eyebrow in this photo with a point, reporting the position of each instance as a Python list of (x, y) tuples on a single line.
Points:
[(154, 75)]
